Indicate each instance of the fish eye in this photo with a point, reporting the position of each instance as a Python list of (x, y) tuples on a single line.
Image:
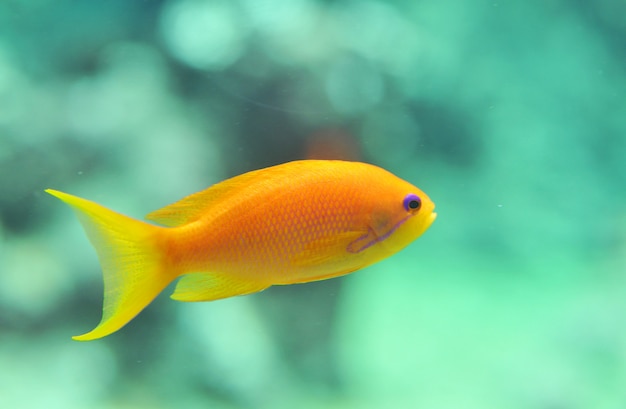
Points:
[(412, 203)]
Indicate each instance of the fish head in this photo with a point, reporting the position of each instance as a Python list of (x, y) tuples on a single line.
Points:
[(398, 214), (415, 216)]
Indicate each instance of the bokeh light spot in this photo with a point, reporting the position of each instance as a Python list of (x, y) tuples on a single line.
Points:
[(354, 85), (203, 34)]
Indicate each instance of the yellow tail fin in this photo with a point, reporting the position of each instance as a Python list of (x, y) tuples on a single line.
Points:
[(132, 262)]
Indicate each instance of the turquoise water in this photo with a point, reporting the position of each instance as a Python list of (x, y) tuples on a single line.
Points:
[(510, 115)]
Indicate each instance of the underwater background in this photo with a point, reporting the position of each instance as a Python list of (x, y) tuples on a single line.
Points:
[(511, 115)]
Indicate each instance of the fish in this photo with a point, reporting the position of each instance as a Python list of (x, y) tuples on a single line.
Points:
[(291, 223)]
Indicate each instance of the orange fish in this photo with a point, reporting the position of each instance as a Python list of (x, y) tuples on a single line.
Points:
[(292, 223)]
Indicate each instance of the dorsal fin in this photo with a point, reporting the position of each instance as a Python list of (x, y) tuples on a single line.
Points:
[(194, 206)]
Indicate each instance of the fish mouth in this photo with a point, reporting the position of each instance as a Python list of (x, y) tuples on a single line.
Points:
[(431, 219)]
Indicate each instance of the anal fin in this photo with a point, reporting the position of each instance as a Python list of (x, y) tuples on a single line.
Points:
[(209, 287)]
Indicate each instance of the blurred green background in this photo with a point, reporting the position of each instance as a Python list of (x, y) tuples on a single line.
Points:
[(511, 115)]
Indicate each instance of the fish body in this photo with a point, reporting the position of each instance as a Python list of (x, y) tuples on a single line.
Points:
[(292, 223)]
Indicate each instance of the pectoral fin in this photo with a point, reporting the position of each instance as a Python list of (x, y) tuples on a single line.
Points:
[(362, 242), (327, 249)]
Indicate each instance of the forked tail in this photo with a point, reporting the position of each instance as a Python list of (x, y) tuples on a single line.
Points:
[(132, 262)]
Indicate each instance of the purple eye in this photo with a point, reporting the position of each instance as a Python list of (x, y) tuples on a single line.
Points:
[(412, 202)]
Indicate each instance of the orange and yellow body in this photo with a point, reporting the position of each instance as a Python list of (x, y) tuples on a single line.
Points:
[(292, 223)]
